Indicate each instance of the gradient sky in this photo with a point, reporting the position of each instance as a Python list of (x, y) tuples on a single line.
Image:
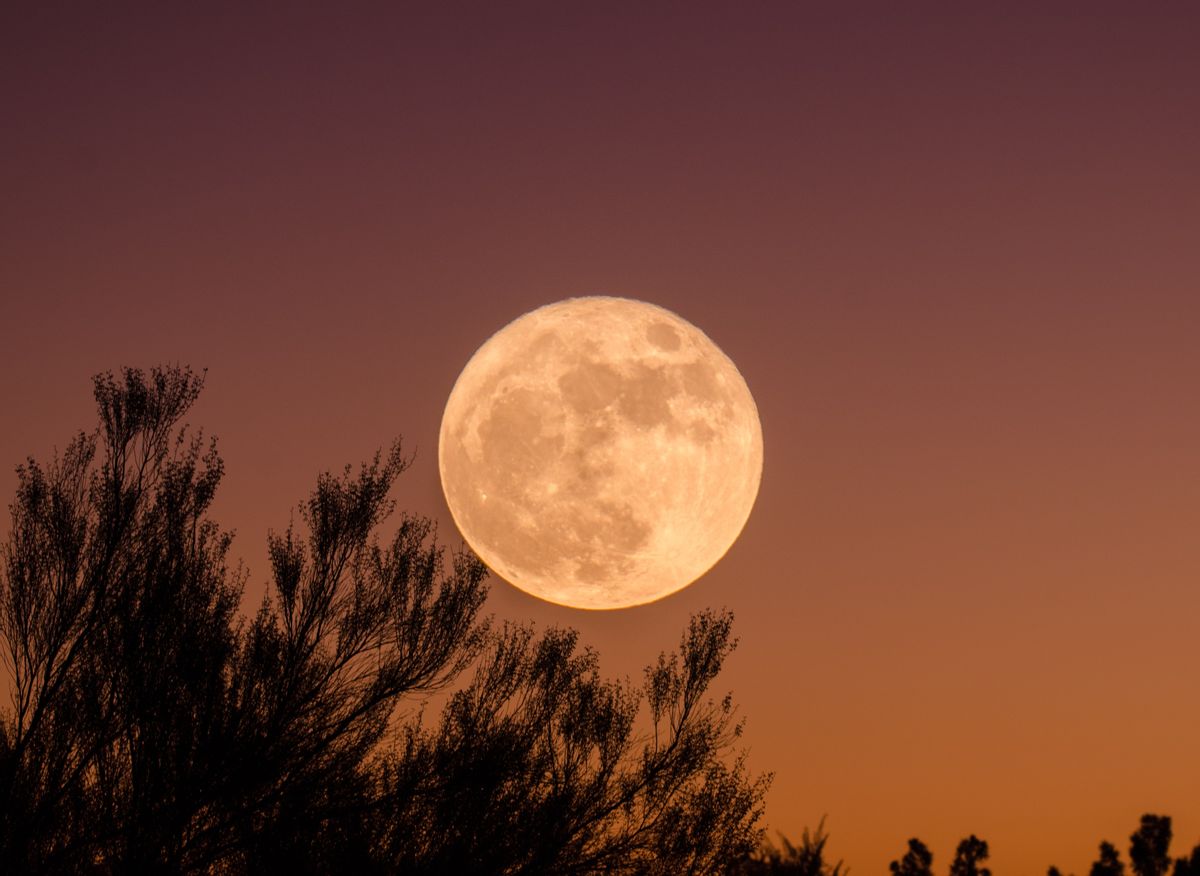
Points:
[(954, 250)]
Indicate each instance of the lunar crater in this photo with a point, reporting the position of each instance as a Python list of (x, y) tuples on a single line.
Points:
[(663, 336)]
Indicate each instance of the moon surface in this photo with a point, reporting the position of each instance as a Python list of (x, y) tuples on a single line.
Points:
[(600, 452)]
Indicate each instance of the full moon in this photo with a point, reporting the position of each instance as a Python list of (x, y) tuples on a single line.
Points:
[(600, 452)]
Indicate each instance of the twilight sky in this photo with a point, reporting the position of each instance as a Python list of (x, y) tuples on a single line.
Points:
[(954, 251)]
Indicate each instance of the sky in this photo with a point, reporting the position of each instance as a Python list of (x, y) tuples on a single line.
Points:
[(952, 249)]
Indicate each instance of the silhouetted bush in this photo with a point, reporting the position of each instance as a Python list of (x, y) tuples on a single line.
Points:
[(154, 729), (1109, 863), (1188, 866), (806, 859), (970, 853), (917, 861), (1148, 846)]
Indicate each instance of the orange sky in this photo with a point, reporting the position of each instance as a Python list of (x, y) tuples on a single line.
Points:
[(954, 253)]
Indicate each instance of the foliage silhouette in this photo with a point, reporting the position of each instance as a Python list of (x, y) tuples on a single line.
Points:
[(552, 788), (1109, 863), (1149, 845), (1188, 865), (917, 861), (154, 729), (1149, 848), (970, 853), (806, 859)]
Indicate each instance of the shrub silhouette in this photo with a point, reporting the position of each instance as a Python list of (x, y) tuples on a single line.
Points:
[(917, 861), (970, 853), (1109, 863), (1148, 846), (155, 729), (805, 859), (1188, 865)]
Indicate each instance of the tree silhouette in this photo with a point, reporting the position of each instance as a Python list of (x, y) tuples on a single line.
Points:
[(917, 861), (1188, 865), (1149, 846), (530, 769), (1109, 863), (970, 853), (805, 859), (155, 729)]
